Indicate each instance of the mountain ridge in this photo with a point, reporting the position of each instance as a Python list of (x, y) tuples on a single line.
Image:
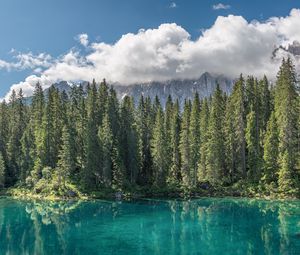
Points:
[(178, 88)]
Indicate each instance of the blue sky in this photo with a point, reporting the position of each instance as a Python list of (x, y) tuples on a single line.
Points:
[(52, 26)]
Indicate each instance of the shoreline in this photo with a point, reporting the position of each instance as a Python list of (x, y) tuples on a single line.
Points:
[(9, 193)]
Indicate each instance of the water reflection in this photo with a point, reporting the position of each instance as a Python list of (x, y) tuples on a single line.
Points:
[(207, 226)]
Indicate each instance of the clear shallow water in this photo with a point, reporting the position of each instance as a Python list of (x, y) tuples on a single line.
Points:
[(205, 226)]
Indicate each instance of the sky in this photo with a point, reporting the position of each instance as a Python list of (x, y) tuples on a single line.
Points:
[(140, 40)]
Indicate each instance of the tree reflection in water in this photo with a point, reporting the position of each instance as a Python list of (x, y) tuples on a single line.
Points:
[(205, 226)]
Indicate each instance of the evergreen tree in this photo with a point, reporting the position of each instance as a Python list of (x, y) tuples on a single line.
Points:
[(36, 119), (102, 100), (265, 103), (215, 139), (253, 159), (250, 94), (144, 124), (78, 117), (129, 140), (49, 135), (113, 113), (287, 114), (2, 172), (17, 125), (194, 139), (106, 148), (159, 150), (92, 167), (113, 170), (236, 130), (27, 150), (271, 152), (118, 177), (174, 173), (167, 129), (4, 119), (185, 147), (66, 162), (204, 119)]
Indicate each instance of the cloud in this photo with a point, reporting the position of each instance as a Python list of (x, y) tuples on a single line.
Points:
[(173, 5), (83, 39), (221, 6), (231, 46), (28, 60)]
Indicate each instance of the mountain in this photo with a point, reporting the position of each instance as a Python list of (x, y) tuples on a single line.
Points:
[(178, 89), (293, 49)]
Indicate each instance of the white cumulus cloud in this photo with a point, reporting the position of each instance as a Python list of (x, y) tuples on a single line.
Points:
[(231, 46), (28, 60)]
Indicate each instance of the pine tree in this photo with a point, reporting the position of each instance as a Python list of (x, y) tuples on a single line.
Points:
[(118, 172), (185, 147), (250, 94), (102, 100), (159, 150), (36, 119), (144, 129), (271, 152), (78, 116), (49, 135), (168, 114), (265, 103), (113, 113), (236, 143), (66, 163), (194, 139), (129, 140), (16, 128), (4, 119), (106, 147), (27, 150), (230, 144), (174, 173), (204, 118), (2, 172), (92, 166), (253, 159), (215, 139), (287, 114)]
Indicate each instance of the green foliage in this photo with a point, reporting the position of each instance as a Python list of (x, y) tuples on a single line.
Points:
[(66, 161), (271, 152), (129, 140), (245, 143), (215, 139), (287, 115), (235, 131), (174, 175), (252, 147), (159, 150), (185, 147), (2, 172), (194, 140), (204, 117)]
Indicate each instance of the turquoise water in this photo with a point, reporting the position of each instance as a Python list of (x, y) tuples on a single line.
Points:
[(204, 226)]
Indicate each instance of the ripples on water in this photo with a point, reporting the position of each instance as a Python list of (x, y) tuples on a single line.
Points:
[(205, 226)]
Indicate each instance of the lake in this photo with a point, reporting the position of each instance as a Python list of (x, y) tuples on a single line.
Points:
[(202, 226)]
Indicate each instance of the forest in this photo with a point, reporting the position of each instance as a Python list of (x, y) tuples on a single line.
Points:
[(89, 142)]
